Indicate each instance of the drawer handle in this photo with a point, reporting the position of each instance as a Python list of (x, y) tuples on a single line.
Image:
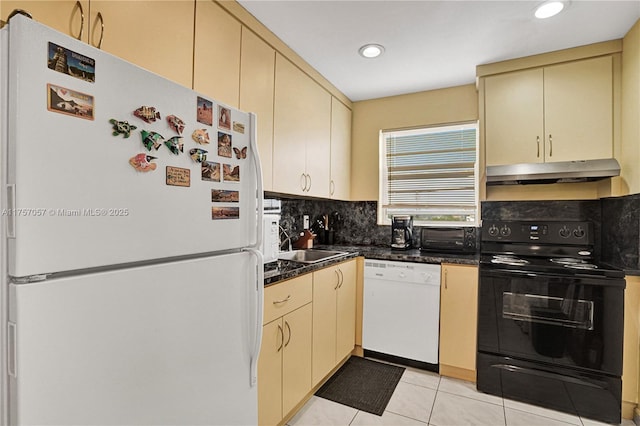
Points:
[(276, 302)]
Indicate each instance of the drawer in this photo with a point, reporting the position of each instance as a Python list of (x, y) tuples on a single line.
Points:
[(284, 297)]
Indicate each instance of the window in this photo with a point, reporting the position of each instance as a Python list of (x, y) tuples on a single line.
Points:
[(430, 174)]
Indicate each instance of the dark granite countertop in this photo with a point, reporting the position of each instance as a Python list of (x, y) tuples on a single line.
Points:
[(282, 270)]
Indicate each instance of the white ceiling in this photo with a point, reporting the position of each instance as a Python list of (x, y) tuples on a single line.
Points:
[(430, 44)]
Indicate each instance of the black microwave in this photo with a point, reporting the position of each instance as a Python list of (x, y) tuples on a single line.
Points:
[(448, 240)]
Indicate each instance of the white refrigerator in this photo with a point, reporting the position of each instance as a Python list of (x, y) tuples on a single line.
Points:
[(131, 284)]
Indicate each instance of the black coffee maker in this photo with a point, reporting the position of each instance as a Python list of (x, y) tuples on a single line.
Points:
[(401, 232)]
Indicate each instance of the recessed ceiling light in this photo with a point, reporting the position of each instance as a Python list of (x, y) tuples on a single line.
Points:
[(549, 9), (371, 50)]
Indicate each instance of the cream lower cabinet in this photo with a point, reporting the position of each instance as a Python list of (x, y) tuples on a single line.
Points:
[(630, 370), (458, 321), (284, 366), (560, 112), (334, 317)]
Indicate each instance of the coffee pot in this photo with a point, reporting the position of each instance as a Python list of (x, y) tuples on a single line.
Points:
[(401, 232)]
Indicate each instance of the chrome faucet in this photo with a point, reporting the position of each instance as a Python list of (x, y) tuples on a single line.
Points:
[(287, 239)]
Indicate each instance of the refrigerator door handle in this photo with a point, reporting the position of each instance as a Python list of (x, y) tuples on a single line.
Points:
[(253, 122), (255, 351), (11, 210), (12, 355)]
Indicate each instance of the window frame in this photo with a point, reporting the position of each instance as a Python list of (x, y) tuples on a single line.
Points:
[(382, 218)]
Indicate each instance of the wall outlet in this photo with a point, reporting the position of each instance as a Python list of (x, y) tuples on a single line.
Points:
[(305, 221)]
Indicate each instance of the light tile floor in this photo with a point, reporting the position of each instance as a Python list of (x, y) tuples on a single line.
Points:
[(425, 398)]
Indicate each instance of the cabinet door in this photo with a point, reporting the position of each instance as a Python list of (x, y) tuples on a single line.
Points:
[(301, 133), (340, 183), (325, 286), (296, 358), (216, 50), (346, 311), (289, 136), (458, 316), (157, 36), (64, 16), (270, 374), (514, 126), (578, 105), (257, 70)]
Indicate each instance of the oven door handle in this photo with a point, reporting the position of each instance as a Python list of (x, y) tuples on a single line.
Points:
[(549, 375)]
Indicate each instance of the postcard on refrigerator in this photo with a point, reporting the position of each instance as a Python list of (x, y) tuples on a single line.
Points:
[(71, 63), (69, 102)]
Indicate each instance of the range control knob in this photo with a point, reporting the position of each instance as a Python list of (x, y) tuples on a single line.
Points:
[(579, 232), (505, 231), (493, 230), (564, 232)]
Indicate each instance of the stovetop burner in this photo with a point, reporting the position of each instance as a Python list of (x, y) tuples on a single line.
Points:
[(509, 260)]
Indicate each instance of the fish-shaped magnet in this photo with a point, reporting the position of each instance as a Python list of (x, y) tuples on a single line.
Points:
[(151, 139), (176, 124), (142, 162), (201, 136), (198, 155), (148, 114), (175, 144), (122, 128), (240, 153)]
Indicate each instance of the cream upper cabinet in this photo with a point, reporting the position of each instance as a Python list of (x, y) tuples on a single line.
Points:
[(559, 112), (514, 121), (146, 33), (257, 70), (302, 133), (458, 321), (340, 183), (69, 17), (216, 61), (334, 317)]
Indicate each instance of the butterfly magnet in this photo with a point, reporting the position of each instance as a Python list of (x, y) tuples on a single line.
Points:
[(151, 139), (240, 153)]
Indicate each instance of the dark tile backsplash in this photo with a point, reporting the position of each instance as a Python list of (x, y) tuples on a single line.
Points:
[(621, 231), (616, 222)]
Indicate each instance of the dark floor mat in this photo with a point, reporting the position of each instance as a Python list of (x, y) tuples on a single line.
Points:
[(362, 384)]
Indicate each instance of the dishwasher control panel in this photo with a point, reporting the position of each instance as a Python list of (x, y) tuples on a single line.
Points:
[(402, 271)]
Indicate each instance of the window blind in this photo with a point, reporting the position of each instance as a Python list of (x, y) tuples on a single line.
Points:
[(430, 174)]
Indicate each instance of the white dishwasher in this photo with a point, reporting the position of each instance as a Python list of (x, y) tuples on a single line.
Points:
[(401, 309)]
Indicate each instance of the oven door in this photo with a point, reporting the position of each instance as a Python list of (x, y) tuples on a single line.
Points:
[(572, 321)]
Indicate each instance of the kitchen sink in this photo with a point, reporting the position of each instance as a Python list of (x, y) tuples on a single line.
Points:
[(310, 255)]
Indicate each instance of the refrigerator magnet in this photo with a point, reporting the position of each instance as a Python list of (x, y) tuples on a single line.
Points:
[(151, 139), (225, 213), (224, 196), (69, 102), (198, 155), (211, 171), (176, 124), (122, 128), (238, 127), (201, 137), (175, 145), (148, 114), (224, 118), (177, 176), (68, 62), (224, 145), (241, 153), (142, 162), (205, 111), (230, 173)]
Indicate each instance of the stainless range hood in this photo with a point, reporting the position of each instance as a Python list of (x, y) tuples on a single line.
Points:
[(563, 171)]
